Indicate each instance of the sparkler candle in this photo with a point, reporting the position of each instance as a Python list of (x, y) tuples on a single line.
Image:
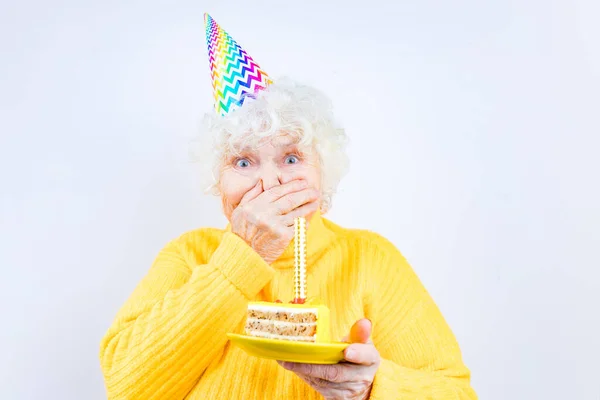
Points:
[(299, 260)]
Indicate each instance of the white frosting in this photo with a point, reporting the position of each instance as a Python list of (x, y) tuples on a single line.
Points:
[(291, 310), (280, 323)]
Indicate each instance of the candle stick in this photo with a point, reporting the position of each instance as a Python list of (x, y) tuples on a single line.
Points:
[(299, 260)]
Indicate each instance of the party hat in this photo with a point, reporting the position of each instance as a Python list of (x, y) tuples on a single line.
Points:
[(235, 75)]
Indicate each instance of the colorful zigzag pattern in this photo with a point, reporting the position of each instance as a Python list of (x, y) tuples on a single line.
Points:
[(235, 76)]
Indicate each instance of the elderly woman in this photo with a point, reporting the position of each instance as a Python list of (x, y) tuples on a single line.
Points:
[(279, 157)]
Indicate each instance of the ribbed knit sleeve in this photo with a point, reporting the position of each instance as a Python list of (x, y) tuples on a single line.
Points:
[(421, 358), (175, 322)]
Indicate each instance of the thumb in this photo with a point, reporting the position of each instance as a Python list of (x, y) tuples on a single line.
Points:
[(361, 331)]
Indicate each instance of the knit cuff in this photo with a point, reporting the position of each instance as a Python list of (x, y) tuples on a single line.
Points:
[(244, 268)]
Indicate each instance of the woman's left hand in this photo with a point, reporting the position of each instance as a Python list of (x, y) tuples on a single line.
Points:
[(347, 380)]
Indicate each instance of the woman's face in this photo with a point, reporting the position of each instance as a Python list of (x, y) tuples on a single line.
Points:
[(275, 162)]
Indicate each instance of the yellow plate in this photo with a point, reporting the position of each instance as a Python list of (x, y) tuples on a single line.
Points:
[(285, 350)]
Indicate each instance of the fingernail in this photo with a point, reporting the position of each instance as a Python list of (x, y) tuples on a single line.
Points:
[(349, 353)]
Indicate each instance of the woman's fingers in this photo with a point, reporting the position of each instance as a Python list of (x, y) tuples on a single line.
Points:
[(260, 218), (252, 193), (274, 193), (294, 200), (363, 354), (353, 376), (331, 373), (301, 211), (277, 192)]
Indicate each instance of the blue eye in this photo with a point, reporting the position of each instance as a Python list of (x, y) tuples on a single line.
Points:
[(291, 160), (242, 163)]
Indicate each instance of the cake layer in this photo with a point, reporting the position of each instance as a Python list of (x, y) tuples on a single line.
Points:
[(281, 328), (284, 315), (280, 323), (305, 322)]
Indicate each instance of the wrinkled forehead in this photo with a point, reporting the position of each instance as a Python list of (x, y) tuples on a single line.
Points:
[(252, 142)]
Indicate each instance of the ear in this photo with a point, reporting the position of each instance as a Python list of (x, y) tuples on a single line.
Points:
[(214, 189)]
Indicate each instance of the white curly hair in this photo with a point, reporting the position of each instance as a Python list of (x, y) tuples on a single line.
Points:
[(284, 108)]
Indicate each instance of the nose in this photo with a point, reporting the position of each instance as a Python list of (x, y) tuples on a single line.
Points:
[(270, 176)]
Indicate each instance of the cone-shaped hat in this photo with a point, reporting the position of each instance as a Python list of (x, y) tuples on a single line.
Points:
[(235, 75)]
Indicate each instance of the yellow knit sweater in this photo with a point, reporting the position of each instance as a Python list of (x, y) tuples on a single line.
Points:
[(169, 339)]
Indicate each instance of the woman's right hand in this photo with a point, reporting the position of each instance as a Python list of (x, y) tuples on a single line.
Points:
[(265, 219)]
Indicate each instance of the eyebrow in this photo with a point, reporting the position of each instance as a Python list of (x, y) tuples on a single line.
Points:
[(249, 149)]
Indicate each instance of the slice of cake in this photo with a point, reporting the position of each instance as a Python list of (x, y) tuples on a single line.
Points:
[(296, 322)]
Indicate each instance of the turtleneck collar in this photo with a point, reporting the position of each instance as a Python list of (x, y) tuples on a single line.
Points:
[(318, 238)]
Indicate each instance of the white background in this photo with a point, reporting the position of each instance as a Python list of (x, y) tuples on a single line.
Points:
[(474, 131)]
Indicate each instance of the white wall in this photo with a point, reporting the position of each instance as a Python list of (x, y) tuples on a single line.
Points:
[(474, 130)]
